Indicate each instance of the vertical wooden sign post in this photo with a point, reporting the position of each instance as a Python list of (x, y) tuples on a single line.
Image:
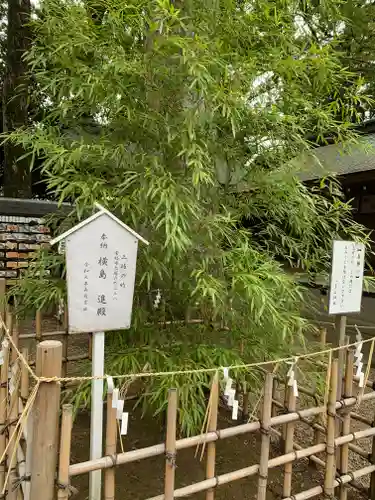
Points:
[(345, 291), (101, 255)]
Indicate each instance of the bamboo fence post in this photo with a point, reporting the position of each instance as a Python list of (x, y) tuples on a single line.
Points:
[(212, 426), (12, 422), (3, 291), (45, 421), (110, 449), (24, 377), (265, 424), (348, 391), (283, 433), (65, 340), (331, 427), (245, 407), (289, 445), (170, 445), (3, 409), (64, 460), (274, 396), (38, 326)]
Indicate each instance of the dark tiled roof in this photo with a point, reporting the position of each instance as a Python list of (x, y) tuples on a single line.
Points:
[(30, 208)]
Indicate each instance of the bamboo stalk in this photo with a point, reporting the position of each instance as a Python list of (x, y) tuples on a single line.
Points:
[(323, 341), (110, 449), (170, 445), (65, 342), (287, 489), (285, 405), (360, 418), (330, 445), (212, 426), (348, 392), (274, 396), (3, 409), (12, 422), (52, 333), (24, 376), (65, 444), (265, 429), (38, 326), (181, 444), (245, 407)]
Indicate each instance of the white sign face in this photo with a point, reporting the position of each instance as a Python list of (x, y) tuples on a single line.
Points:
[(346, 277), (101, 260)]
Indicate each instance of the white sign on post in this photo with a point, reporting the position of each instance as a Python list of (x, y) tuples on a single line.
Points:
[(346, 277), (101, 261), (101, 255)]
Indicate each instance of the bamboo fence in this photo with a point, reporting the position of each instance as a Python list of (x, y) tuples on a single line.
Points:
[(35, 459)]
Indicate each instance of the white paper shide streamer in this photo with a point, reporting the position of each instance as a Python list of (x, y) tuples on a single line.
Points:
[(292, 381), (358, 355), (157, 298), (230, 394)]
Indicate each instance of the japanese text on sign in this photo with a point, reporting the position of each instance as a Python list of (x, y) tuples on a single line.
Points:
[(101, 263), (346, 277)]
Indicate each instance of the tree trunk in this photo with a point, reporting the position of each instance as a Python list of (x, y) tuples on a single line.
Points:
[(17, 175)]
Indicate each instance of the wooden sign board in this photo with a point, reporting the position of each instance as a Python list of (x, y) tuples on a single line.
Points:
[(346, 277), (101, 263)]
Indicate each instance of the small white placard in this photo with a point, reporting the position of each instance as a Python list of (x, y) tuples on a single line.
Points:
[(101, 260), (346, 277)]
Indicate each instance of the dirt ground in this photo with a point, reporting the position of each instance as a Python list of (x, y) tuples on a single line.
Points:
[(144, 479)]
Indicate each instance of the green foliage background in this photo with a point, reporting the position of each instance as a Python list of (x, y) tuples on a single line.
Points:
[(182, 118)]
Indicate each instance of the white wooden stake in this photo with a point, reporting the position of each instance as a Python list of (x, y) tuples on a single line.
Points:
[(96, 427)]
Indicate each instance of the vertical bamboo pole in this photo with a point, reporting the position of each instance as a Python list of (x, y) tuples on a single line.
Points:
[(25, 376), (170, 445), (289, 445), (38, 326), (212, 426), (340, 327), (265, 430), (12, 411), (245, 407), (12, 421), (3, 408), (274, 397), (64, 460), (110, 449), (283, 432), (3, 291), (45, 421), (65, 342), (323, 340), (348, 392), (330, 471)]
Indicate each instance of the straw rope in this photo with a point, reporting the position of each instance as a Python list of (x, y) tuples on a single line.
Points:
[(294, 358)]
